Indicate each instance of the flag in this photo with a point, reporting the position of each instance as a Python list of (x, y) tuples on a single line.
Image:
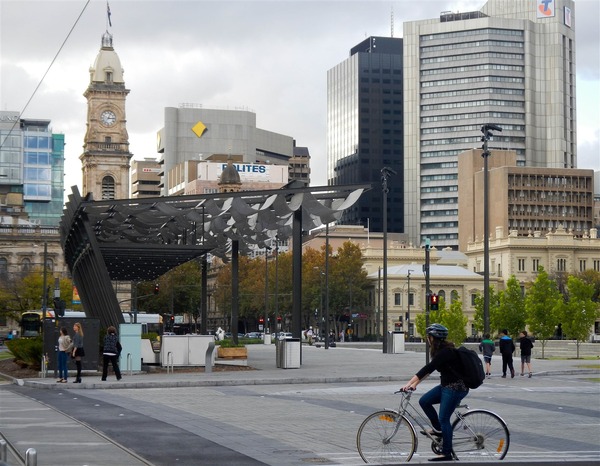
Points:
[(108, 14)]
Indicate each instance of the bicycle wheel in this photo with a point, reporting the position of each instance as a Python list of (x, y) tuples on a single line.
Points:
[(385, 437), (481, 436)]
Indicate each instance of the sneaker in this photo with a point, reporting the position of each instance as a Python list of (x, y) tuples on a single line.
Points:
[(504, 376), (437, 433), (522, 374), (530, 374)]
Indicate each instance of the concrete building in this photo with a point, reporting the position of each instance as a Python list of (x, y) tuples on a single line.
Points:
[(32, 159), (522, 199), (365, 129), (512, 63), (299, 165), (193, 133), (145, 178)]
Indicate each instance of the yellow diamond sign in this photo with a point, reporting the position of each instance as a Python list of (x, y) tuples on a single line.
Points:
[(199, 129)]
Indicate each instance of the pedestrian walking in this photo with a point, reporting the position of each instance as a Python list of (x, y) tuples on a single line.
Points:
[(78, 351), (507, 348), (65, 346), (111, 352), (487, 347), (450, 392), (525, 345)]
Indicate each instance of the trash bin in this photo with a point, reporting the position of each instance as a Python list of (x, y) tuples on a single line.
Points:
[(395, 342), (279, 353), (291, 358)]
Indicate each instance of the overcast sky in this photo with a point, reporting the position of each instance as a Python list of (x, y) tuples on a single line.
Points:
[(270, 57)]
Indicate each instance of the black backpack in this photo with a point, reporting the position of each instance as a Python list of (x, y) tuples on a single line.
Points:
[(472, 372)]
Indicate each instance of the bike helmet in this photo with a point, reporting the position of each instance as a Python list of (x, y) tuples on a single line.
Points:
[(437, 331)]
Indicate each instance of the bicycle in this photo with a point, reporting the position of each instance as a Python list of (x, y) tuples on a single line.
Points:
[(389, 436)]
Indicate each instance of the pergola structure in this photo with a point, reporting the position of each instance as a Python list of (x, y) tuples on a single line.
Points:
[(141, 239)]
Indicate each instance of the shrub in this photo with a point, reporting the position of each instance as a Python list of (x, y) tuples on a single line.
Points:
[(27, 351)]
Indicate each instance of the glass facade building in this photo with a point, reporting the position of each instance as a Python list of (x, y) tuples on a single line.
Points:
[(31, 169), (365, 129)]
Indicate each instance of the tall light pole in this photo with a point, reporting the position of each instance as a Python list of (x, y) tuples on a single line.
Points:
[(408, 302), (487, 134), (385, 173), (320, 321), (267, 248)]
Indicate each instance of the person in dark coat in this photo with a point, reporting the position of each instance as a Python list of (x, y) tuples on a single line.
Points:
[(525, 345), (448, 394), (507, 348), (111, 352)]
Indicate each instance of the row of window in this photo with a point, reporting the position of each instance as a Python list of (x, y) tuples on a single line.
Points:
[(37, 142), (474, 103), (471, 116), (471, 45), (467, 69), (472, 80), (493, 90), (444, 177), (472, 32), (26, 265), (472, 139), (468, 128), (438, 189), (437, 213), (439, 200), (473, 56), (561, 265)]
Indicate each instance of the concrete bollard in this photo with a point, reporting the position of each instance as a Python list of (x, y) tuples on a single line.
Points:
[(209, 359)]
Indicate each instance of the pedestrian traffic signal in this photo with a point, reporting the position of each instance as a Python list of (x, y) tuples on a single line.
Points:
[(434, 304), (156, 288), (261, 320)]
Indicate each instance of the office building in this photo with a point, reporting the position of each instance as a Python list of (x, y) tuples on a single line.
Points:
[(524, 200), (145, 178), (193, 133), (299, 165), (365, 130), (512, 64), (31, 170)]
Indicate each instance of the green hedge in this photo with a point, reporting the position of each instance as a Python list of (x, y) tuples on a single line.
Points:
[(27, 350)]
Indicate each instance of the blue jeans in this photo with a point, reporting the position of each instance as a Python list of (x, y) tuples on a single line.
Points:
[(63, 370), (448, 400)]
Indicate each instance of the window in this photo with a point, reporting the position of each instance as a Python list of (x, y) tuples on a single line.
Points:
[(3, 265), (25, 265), (561, 265), (521, 265), (108, 188), (535, 264), (597, 265), (473, 299), (454, 296), (397, 299), (582, 265), (411, 299)]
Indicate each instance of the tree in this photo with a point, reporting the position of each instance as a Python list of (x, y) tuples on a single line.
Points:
[(542, 303), (479, 302), (452, 318), (578, 312), (510, 313)]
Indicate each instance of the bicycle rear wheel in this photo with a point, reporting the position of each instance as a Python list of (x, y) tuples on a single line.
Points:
[(480, 436), (385, 437)]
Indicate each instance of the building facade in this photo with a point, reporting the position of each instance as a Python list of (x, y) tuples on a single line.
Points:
[(512, 64), (105, 158), (299, 165), (145, 178), (32, 160), (522, 199), (365, 129), (194, 133)]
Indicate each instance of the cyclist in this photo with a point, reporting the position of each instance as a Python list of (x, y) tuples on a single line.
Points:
[(448, 394)]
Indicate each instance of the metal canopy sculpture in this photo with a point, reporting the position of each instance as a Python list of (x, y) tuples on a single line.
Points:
[(141, 239)]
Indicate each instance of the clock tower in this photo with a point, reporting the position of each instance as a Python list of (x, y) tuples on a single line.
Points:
[(105, 158)]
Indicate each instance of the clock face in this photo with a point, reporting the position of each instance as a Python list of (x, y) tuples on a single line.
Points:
[(108, 118)]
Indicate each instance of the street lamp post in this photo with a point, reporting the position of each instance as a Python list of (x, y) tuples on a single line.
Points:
[(385, 173), (408, 303), (487, 134), (320, 321)]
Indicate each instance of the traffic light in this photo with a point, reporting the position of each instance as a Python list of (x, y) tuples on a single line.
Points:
[(261, 320), (434, 304), (156, 288), (278, 319)]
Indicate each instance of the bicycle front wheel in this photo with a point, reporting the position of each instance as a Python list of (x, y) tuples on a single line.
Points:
[(385, 437), (480, 436)]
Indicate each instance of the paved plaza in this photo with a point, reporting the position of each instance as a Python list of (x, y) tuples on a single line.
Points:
[(275, 416)]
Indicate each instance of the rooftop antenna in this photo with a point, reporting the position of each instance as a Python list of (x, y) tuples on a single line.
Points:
[(392, 21)]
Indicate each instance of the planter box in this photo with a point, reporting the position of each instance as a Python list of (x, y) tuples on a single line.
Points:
[(232, 353)]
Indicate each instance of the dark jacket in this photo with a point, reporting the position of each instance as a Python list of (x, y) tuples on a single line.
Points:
[(447, 363), (487, 347), (507, 346), (111, 344), (525, 345)]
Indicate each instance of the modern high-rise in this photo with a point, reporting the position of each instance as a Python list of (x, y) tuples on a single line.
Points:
[(31, 169), (512, 64), (365, 130)]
